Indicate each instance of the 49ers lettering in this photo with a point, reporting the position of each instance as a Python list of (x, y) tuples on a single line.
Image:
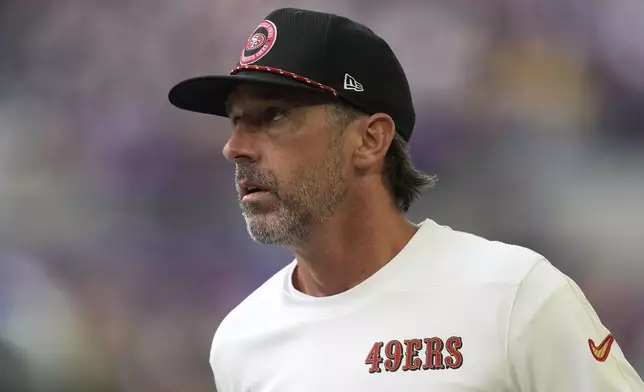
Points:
[(415, 354)]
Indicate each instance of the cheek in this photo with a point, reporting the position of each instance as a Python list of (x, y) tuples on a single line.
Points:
[(289, 160), (297, 174), (308, 160), (287, 169)]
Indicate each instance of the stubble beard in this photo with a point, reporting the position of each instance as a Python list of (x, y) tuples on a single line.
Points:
[(289, 219)]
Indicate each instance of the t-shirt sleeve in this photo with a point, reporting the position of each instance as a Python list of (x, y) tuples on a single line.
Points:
[(218, 365), (556, 341)]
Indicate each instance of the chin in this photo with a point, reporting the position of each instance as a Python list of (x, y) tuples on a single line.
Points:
[(269, 238), (273, 229), (264, 228)]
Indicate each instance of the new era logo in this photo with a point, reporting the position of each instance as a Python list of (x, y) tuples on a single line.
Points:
[(350, 83)]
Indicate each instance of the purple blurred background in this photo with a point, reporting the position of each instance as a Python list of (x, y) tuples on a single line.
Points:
[(121, 243)]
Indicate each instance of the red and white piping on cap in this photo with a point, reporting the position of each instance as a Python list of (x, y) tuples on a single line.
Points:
[(277, 71)]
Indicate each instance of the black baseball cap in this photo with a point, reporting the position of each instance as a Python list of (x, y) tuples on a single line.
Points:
[(313, 51)]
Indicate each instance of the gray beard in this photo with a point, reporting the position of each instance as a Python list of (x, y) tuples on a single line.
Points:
[(287, 222), (284, 227), (290, 218)]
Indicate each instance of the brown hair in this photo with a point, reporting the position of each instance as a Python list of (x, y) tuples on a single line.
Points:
[(402, 178)]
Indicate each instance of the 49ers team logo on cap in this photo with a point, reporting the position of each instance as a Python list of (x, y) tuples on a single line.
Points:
[(259, 43)]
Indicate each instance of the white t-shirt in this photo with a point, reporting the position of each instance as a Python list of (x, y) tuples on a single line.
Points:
[(452, 312)]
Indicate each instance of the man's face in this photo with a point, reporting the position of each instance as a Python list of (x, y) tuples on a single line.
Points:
[(284, 145)]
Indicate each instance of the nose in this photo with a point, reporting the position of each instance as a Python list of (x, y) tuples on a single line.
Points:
[(240, 147)]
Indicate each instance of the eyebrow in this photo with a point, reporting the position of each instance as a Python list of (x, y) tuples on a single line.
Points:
[(265, 101), (264, 95), (287, 96)]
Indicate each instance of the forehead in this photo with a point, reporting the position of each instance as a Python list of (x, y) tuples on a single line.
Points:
[(257, 94)]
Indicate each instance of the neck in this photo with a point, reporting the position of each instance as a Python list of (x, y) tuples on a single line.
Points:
[(358, 240)]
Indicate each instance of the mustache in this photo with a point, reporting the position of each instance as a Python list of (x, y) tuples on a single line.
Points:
[(264, 178)]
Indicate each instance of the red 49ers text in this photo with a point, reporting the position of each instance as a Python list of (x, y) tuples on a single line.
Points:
[(416, 354)]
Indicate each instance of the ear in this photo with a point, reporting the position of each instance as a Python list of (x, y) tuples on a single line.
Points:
[(376, 136)]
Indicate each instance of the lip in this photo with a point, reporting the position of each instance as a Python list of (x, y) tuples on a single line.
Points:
[(255, 196), (244, 185)]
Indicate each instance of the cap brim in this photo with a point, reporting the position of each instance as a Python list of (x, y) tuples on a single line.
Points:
[(208, 94)]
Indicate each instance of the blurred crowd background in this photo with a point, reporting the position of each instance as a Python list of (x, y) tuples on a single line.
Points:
[(121, 243)]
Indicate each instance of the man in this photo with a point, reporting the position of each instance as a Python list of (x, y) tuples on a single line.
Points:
[(321, 113)]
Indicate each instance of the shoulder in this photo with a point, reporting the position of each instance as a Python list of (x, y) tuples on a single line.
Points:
[(548, 293), (466, 258), (527, 277)]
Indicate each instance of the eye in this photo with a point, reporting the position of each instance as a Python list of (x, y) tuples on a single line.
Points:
[(274, 114)]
